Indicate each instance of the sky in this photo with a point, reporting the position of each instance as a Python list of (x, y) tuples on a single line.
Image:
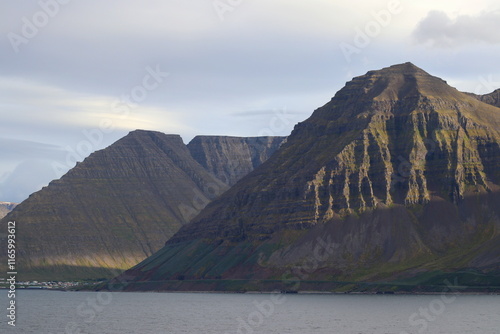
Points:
[(75, 76)]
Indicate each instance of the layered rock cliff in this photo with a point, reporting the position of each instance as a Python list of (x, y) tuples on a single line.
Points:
[(396, 175), (121, 204), (112, 210), (492, 98), (231, 158)]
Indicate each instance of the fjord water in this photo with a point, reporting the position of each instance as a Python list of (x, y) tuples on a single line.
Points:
[(52, 312)]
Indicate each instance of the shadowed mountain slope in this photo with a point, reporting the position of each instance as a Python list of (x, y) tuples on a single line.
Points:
[(492, 98), (231, 158), (396, 177), (112, 210)]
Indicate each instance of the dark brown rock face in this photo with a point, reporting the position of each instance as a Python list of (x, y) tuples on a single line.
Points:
[(112, 210), (231, 158), (492, 98), (397, 174)]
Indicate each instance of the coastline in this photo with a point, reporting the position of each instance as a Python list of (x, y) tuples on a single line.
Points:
[(305, 292)]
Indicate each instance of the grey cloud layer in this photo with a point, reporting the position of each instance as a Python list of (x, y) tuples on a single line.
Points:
[(439, 30), (226, 77)]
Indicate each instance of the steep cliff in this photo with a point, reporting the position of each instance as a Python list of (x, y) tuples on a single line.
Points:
[(231, 158), (492, 98), (112, 210), (396, 176)]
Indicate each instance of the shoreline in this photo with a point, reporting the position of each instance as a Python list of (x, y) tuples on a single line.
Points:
[(280, 292)]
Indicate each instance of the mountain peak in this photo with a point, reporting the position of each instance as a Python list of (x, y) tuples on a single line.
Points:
[(396, 175), (113, 209), (150, 134), (404, 68), (398, 82)]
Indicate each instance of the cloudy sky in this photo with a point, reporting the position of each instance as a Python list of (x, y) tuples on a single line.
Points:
[(77, 75)]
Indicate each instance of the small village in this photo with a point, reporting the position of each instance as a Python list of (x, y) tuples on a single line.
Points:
[(50, 285)]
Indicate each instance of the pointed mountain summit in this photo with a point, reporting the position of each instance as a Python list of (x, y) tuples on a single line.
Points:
[(395, 178), (112, 210)]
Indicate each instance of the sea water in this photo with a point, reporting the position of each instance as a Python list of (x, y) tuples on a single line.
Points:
[(51, 312)]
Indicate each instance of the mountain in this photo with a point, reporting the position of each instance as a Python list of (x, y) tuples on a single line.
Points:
[(112, 210), (122, 203), (492, 98), (6, 207), (393, 184), (231, 158)]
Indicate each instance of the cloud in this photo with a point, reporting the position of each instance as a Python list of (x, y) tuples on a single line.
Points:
[(439, 30), (61, 108), (18, 148), (227, 77), (258, 113), (17, 185), (26, 167)]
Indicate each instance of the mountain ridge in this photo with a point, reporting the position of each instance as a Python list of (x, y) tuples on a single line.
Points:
[(122, 203), (230, 158), (492, 98), (113, 209), (339, 124), (396, 170)]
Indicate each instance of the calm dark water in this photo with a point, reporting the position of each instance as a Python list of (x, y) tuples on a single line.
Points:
[(52, 312)]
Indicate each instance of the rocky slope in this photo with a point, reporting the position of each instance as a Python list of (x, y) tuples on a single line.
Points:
[(492, 98), (112, 210), (122, 203), (6, 207), (395, 179), (231, 158)]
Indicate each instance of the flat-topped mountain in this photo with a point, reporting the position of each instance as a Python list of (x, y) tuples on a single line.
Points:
[(397, 178), (122, 203), (113, 209), (231, 158)]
